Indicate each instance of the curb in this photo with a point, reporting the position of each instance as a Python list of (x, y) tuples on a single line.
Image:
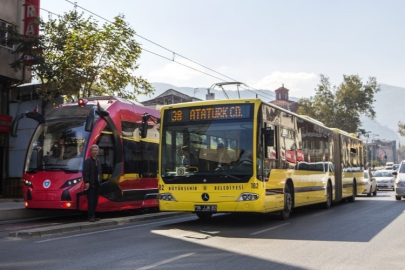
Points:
[(79, 226)]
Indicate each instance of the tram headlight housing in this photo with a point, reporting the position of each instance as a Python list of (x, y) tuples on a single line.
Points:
[(72, 182), (166, 197), (28, 183), (248, 197)]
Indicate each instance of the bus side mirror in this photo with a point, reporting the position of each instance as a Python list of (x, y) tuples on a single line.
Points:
[(90, 120), (144, 129), (89, 123)]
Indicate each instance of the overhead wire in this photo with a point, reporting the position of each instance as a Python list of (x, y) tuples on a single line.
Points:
[(262, 93)]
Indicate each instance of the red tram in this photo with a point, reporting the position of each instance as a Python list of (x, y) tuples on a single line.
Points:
[(52, 176)]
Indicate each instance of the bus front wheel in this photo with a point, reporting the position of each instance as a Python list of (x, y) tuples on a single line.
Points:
[(288, 204)]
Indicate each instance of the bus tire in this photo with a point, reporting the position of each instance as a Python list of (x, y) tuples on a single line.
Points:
[(328, 202), (204, 215), (353, 197), (288, 203)]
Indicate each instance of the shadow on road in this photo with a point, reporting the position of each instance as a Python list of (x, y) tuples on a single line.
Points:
[(350, 222)]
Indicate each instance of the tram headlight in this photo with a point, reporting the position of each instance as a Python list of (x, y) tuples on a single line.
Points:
[(248, 197), (71, 182), (28, 183), (166, 197)]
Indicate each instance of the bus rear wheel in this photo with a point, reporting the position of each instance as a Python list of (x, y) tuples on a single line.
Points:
[(328, 202), (288, 204), (353, 197), (204, 215)]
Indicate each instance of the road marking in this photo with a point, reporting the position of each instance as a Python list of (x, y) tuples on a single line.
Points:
[(269, 229), (110, 230), (166, 261), (322, 213)]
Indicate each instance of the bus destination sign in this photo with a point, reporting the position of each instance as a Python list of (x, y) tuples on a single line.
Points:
[(204, 113)]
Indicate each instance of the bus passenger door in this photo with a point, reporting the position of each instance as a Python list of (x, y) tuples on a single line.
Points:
[(270, 164)]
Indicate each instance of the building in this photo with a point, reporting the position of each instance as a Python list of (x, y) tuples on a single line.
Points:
[(11, 14), (380, 151), (170, 96), (282, 100)]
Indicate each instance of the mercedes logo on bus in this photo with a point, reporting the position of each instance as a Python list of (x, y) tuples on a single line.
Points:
[(205, 197)]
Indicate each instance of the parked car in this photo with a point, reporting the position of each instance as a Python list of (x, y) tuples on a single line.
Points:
[(385, 179), (400, 181), (370, 184), (388, 165)]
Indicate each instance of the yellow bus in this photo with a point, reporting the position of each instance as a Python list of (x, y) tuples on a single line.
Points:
[(246, 155)]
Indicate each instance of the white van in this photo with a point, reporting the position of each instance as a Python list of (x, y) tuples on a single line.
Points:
[(388, 165)]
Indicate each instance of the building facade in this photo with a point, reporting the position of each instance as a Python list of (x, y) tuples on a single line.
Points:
[(11, 14), (282, 100)]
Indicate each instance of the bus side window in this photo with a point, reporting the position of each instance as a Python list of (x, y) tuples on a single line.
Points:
[(106, 152), (131, 156), (149, 161)]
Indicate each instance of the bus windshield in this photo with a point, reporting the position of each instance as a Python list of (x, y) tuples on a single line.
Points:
[(208, 152), (57, 146)]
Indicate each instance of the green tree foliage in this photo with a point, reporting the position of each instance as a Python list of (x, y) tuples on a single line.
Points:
[(77, 57), (341, 106)]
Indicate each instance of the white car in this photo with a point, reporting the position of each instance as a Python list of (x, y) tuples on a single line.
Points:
[(370, 184), (400, 181), (385, 179)]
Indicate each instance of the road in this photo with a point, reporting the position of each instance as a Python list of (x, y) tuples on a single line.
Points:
[(366, 234)]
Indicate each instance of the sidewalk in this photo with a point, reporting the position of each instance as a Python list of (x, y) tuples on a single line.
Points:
[(79, 226)]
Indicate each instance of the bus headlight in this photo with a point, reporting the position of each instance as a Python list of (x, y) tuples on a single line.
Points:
[(248, 197), (28, 183), (166, 197), (72, 182)]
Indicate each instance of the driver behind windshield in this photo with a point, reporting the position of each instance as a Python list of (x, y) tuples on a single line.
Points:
[(223, 158), (187, 159)]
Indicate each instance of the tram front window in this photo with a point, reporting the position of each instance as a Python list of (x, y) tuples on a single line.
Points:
[(215, 152), (57, 146)]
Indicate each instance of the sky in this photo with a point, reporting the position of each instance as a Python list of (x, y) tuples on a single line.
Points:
[(262, 43)]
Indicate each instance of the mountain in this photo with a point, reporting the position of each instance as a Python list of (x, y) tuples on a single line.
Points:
[(388, 111)]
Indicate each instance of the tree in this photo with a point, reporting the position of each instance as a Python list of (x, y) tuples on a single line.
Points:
[(401, 128), (341, 106), (76, 57)]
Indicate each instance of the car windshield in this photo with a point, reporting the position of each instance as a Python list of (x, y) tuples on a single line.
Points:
[(366, 175), (57, 146), (382, 174), (213, 151)]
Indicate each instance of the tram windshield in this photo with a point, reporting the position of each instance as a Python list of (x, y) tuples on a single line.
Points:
[(208, 152), (57, 146)]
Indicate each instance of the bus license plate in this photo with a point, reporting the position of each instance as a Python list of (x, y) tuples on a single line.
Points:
[(205, 208)]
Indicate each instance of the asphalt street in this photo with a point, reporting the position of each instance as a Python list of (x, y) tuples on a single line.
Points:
[(366, 234)]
